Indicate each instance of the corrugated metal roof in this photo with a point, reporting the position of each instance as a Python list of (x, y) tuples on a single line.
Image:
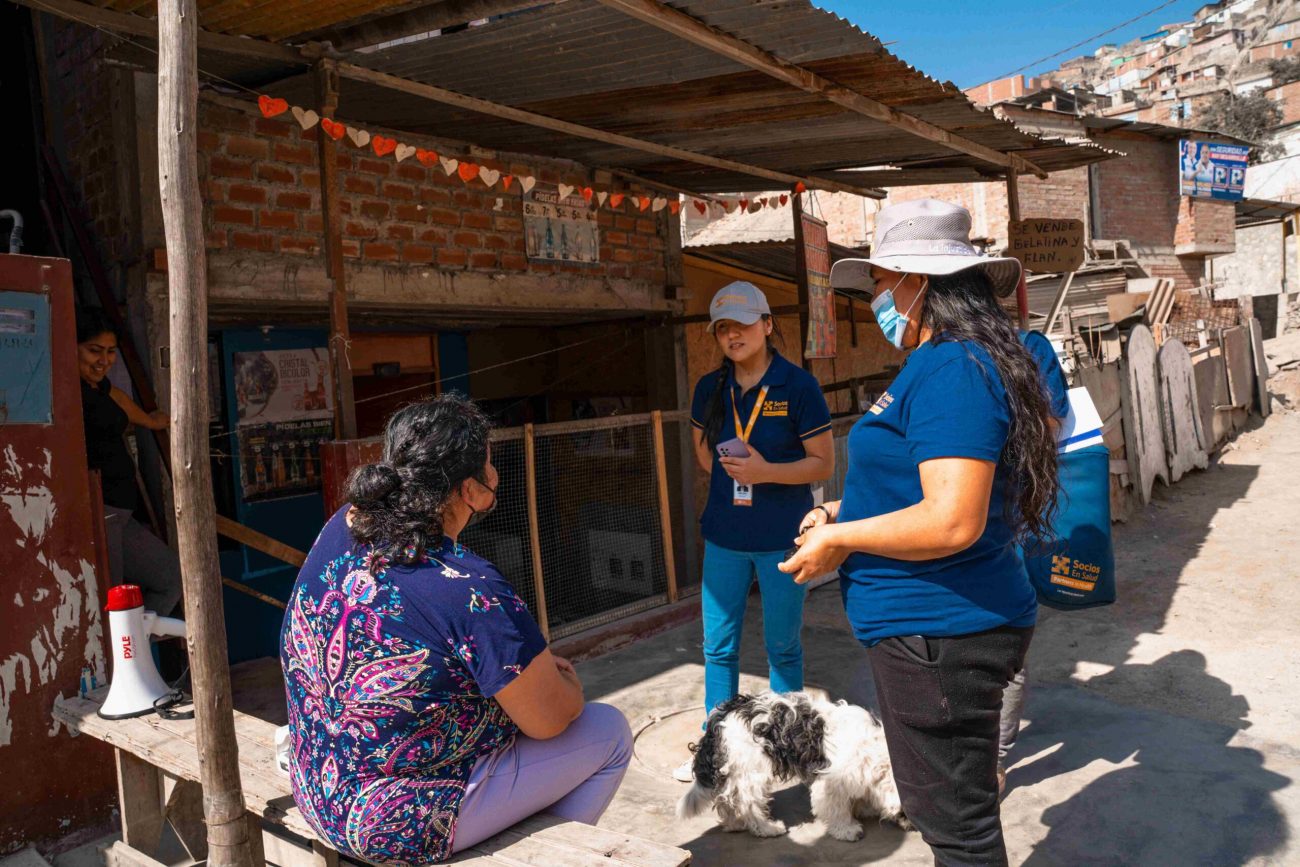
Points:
[(771, 258)]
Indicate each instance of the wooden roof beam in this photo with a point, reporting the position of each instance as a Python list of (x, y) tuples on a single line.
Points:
[(693, 30), (529, 118), (422, 19)]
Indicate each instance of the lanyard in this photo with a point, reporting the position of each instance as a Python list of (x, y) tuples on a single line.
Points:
[(743, 433)]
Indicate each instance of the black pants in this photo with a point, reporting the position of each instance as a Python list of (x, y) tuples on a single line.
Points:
[(940, 702)]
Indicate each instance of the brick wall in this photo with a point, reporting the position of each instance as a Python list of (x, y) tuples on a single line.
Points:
[(1002, 89), (1287, 98), (263, 195), (1137, 196), (1205, 226)]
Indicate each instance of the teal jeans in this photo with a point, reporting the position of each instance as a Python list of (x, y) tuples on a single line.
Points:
[(728, 575)]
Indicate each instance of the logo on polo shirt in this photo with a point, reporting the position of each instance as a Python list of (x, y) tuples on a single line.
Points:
[(776, 407), (883, 404)]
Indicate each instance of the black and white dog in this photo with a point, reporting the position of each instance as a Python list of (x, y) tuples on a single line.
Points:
[(753, 742)]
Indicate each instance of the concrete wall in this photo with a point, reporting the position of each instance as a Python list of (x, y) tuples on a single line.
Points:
[(1258, 266)]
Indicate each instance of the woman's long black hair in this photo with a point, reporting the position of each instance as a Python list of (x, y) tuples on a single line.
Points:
[(430, 448), (718, 410), (962, 307), (92, 322)]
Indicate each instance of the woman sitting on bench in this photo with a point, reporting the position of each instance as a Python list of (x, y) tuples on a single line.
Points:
[(426, 712)]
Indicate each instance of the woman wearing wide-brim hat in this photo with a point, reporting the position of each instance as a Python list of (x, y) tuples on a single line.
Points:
[(949, 468)]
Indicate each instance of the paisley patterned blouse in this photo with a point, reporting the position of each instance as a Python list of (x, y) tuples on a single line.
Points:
[(390, 673)]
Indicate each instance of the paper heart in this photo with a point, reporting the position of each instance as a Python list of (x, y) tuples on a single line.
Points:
[(801, 187), (587, 194), (642, 202), (271, 106), (449, 165), (528, 182), (332, 128), (616, 199), (728, 206), (506, 181), (601, 197), (744, 204), (501, 203), (565, 191), (489, 176), (403, 151), (383, 146), (426, 158), (359, 137), (674, 207), (702, 207), (307, 119), (784, 199), (658, 204), (467, 171)]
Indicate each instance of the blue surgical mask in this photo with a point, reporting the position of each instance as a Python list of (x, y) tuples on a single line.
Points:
[(892, 323)]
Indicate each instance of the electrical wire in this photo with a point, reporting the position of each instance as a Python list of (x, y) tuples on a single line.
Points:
[(1093, 38)]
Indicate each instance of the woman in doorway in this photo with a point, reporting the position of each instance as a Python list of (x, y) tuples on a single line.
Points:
[(954, 463), (772, 421), (426, 711), (134, 553)]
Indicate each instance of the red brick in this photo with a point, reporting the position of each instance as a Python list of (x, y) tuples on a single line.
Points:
[(508, 224), (444, 217), (309, 179), (277, 220), (374, 167), (514, 262), (483, 260), (647, 226), (405, 192), (409, 213), (275, 174), (604, 219), (312, 135), (243, 146), (380, 252), (352, 249), (436, 236), (465, 239), (398, 232), (627, 224), (356, 184), (435, 196), (248, 194), (216, 191), (619, 238), (412, 172), (640, 241), (343, 160), (477, 220), (624, 255), (300, 201), (496, 242), (360, 230), (298, 245), (224, 167), (225, 118), (375, 210), (452, 256), (252, 241), (206, 140), (272, 127), (313, 223), (227, 214), (422, 253), (548, 176), (216, 239), (302, 154)]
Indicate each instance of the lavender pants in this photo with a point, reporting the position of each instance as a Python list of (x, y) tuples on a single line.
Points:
[(573, 775)]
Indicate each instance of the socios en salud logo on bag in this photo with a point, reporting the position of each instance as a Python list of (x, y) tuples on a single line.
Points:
[(1077, 574)]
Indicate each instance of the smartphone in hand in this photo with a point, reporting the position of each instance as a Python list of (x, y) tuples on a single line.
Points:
[(733, 448)]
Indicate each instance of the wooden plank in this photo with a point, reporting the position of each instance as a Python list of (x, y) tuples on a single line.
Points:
[(259, 541), (1179, 411), (1143, 434), (1261, 368), (534, 528), (801, 278), (1058, 303), (140, 800), (665, 505), (518, 115), (693, 30), (185, 815), (421, 19), (122, 854), (636, 850)]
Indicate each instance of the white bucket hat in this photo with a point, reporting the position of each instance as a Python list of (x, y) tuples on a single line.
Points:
[(929, 237)]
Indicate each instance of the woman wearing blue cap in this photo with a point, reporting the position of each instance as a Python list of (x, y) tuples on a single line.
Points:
[(949, 468), (763, 432)]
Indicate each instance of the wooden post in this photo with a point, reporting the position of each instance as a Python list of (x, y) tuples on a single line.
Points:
[(345, 410), (1013, 214), (534, 528), (665, 506), (182, 210), (801, 276)]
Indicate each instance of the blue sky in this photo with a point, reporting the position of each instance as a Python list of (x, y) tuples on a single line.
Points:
[(970, 42)]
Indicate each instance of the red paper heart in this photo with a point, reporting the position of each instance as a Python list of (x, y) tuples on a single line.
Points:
[(426, 158), (744, 204), (800, 187), (467, 171), (784, 199), (505, 181), (701, 207), (674, 207), (728, 206), (382, 145), (333, 129), (643, 202), (616, 199), (587, 193), (270, 106)]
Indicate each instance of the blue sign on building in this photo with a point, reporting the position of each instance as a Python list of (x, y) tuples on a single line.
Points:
[(1212, 171), (25, 373)]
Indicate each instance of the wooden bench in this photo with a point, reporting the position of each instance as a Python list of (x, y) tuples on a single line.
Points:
[(158, 783)]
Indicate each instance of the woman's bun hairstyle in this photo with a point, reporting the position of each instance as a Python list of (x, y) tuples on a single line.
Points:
[(372, 485)]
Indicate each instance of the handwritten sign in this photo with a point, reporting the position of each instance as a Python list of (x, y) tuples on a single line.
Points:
[(1046, 246)]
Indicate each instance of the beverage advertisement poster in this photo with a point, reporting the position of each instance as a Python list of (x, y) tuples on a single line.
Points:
[(26, 376), (1212, 171), (821, 298), (560, 231), (284, 405)]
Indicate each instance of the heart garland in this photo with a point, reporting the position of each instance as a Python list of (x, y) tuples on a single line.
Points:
[(449, 165), (333, 129), (359, 137), (616, 199), (429, 159), (383, 146), (527, 182), (271, 106), (702, 207), (489, 176), (658, 204), (565, 191), (505, 181), (601, 196), (403, 151), (306, 119), (467, 171), (642, 202)]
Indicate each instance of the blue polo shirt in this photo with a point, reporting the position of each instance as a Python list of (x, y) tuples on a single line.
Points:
[(794, 410), (1058, 390), (948, 401)]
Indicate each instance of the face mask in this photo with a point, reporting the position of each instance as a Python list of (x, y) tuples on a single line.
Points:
[(476, 516), (892, 323)]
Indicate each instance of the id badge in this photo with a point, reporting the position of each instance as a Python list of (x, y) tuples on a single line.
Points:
[(742, 495)]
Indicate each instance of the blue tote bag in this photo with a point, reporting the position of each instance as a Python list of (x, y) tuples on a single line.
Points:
[(1075, 568)]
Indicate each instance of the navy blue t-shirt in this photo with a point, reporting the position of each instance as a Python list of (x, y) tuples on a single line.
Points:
[(947, 402), (793, 410), (1058, 390)]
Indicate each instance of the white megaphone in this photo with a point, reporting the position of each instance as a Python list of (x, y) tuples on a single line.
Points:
[(136, 685)]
